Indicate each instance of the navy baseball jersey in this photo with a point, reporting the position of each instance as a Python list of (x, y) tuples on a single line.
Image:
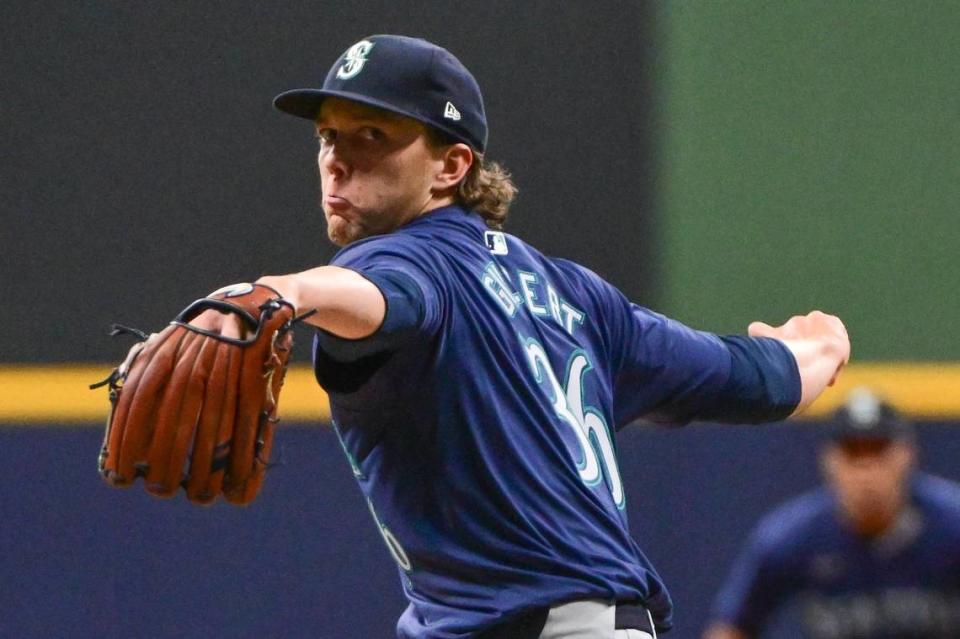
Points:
[(904, 585), (480, 419)]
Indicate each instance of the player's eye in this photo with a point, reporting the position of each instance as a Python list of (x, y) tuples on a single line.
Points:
[(326, 136), (371, 134)]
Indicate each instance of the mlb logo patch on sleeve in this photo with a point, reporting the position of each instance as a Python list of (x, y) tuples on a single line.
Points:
[(496, 242)]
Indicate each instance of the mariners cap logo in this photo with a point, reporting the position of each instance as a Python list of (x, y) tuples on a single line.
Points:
[(864, 409), (354, 59)]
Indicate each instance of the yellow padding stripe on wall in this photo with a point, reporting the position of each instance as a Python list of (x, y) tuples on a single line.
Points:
[(58, 394), (921, 390)]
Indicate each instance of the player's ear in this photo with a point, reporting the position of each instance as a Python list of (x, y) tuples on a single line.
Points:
[(456, 161), (905, 454), (829, 458)]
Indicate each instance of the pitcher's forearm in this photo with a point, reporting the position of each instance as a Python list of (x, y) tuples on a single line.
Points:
[(346, 303)]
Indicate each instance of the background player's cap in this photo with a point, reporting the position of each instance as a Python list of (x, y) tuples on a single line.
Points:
[(404, 75), (866, 416)]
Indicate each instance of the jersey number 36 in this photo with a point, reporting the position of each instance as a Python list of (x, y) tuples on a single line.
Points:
[(595, 457)]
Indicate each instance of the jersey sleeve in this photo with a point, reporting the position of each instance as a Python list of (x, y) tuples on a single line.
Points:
[(669, 373), (752, 590), (398, 267)]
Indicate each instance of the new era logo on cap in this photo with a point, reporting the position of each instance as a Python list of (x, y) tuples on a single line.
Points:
[(450, 112)]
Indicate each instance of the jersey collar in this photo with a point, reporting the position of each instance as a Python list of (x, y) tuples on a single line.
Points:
[(453, 214)]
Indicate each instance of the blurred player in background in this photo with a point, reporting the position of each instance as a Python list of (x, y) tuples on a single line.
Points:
[(476, 385), (875, 554)]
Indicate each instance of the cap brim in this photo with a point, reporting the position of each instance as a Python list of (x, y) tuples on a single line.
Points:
[(846, 436), (305, 103)]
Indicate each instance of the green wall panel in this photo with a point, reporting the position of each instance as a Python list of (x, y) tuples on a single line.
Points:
[(811, 159)]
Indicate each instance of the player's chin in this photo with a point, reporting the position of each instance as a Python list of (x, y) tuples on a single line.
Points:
[(342, 232)]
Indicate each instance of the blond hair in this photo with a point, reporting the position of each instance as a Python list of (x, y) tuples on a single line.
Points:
[(488, 189)]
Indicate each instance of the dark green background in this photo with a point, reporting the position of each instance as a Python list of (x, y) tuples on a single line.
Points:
[(811, 159)]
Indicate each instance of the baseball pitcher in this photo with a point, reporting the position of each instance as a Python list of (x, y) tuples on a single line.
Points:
[(476, 385)]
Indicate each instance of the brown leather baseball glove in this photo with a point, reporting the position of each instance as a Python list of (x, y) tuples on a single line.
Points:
[(195, 405)]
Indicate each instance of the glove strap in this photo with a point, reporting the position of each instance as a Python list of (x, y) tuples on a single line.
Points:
[(115, 376), (256, 324)]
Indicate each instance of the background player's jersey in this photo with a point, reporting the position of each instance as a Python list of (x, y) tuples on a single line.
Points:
[(480, 420), (905, 585)]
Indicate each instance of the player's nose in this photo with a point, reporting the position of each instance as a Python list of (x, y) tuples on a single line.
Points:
[(334, 161)]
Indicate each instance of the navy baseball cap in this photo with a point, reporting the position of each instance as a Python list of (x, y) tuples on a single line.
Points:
[(404, 75), (866, 416)]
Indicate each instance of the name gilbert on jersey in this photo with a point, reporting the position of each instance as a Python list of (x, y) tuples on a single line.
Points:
[(539, 296)]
